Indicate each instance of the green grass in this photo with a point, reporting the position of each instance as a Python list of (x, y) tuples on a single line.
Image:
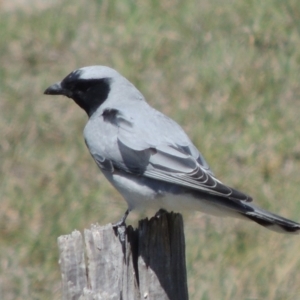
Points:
[(228, 72)]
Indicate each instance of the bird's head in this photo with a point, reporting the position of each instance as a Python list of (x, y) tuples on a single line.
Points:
[(89, 87)]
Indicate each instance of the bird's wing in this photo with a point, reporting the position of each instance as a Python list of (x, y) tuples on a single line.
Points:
[(160, 149), (170, 164)]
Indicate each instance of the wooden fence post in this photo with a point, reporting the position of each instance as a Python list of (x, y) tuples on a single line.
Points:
[(149, 265)]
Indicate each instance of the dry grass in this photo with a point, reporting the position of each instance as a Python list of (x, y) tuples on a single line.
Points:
[(228, 72)]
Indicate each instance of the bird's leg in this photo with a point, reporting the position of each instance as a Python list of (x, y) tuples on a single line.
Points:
[(123, 219), (120, 227)]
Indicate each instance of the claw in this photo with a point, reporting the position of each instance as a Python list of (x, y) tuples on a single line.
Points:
[(120, 229), (122, 221)]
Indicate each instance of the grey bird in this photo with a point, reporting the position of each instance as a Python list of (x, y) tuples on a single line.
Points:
[(147, 156)]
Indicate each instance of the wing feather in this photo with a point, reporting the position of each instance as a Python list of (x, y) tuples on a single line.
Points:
[(165, 155)]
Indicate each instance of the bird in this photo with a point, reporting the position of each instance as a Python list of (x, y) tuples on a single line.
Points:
[(147, 156)]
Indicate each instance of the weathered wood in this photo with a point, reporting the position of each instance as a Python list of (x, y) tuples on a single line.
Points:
[(162, 250), (150, 264), (72, 265)]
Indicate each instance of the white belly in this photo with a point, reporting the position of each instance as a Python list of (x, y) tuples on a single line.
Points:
[(142, 195)]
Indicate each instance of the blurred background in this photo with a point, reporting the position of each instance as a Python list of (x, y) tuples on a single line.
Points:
[(227, 71)]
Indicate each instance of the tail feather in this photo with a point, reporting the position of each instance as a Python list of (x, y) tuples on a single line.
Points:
[(222, 206), (272, 221)]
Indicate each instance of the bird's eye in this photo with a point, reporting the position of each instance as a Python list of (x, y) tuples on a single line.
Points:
[(84, 85)]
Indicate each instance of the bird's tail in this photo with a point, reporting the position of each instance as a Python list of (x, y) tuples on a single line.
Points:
[(271, 221), (221, 206)]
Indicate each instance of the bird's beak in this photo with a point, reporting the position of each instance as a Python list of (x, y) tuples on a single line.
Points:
[(55, 89)]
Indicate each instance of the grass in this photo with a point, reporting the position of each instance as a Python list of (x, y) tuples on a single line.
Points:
[(227, 72)]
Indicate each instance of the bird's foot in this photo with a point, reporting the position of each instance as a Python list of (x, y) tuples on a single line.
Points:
[(120, 228), (160, 213), (123, 219)]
